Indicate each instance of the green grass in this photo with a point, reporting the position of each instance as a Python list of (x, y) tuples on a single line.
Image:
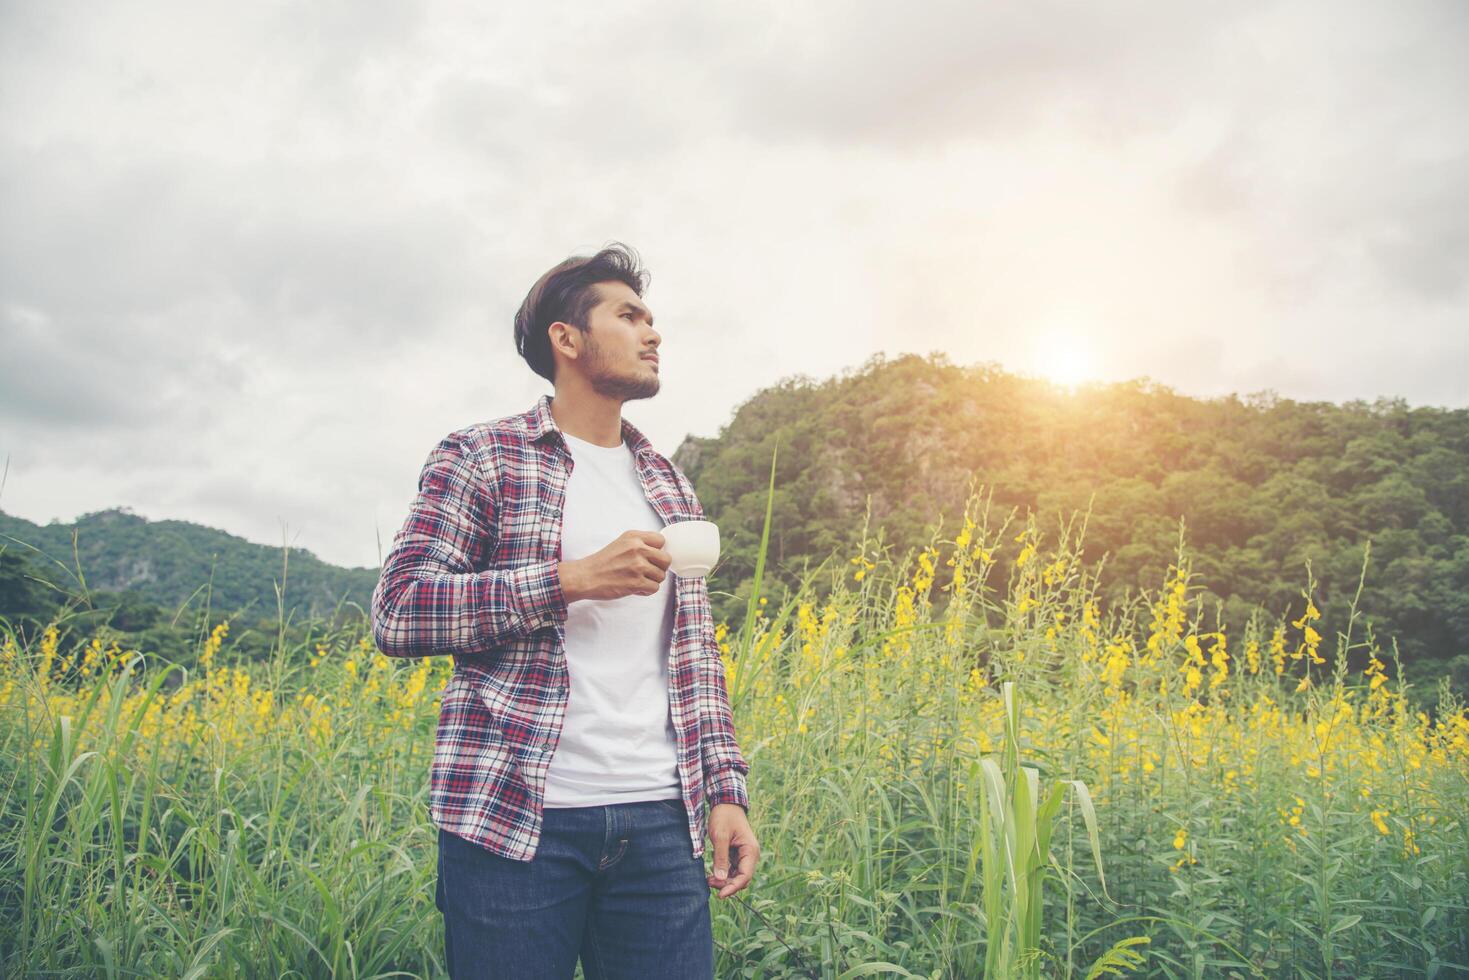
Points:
[(939, 783)]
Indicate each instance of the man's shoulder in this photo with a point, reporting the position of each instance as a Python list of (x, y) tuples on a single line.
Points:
[(493, 443), (505, 432)]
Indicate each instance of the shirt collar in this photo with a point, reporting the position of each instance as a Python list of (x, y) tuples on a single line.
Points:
[(540, 423)]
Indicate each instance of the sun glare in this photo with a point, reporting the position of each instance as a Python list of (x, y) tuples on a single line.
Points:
[(1064, 357), (1068, 367)]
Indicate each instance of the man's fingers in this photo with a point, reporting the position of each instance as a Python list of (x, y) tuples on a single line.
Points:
[(733, 885), (749, 857), (744, 872), (721, 857)]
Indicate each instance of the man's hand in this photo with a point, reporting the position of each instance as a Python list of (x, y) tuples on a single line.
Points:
[(633, 564), (730, 828)]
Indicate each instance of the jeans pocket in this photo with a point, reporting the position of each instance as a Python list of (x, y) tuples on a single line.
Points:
[(675, 805)]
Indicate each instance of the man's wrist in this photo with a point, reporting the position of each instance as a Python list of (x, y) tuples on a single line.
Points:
[(571, 587)]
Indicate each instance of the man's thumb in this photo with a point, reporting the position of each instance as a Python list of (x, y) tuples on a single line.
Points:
[(721, 855)]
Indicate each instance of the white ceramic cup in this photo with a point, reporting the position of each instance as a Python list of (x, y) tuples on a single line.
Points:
[(693, 547)]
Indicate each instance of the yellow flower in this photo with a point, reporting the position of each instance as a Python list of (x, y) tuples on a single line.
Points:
[(1310, 613)]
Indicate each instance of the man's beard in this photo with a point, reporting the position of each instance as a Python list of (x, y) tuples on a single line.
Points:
[(609, 384)]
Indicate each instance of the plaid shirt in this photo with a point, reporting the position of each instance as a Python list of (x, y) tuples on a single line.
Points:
[(473, 573)]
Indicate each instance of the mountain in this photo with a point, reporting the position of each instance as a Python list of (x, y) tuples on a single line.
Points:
[(1264, 485), (166, 562)]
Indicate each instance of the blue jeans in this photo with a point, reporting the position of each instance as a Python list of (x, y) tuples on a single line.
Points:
[(616, 885)]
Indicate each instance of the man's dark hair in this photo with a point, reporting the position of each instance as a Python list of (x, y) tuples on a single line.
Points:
[(567, 293)]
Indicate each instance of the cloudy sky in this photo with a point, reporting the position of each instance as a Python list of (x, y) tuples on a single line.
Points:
[(255, 259)]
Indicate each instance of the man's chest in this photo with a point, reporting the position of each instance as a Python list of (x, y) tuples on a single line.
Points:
[(548, 510)]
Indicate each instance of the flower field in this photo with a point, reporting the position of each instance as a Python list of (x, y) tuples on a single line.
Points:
[(1259, 811)]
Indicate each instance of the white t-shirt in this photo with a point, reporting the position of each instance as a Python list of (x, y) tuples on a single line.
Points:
[(617, 743)]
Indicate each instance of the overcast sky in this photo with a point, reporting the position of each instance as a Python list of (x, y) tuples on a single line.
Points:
[(257, 258)]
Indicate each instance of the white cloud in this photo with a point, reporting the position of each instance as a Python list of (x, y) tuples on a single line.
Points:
[(255, 261)]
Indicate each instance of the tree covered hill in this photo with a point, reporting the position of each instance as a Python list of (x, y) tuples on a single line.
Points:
[(1263, 485), (167, 562)]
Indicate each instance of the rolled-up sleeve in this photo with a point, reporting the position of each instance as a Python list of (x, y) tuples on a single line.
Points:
[(434, 596)]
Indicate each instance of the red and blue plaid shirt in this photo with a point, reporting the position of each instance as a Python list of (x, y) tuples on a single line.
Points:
[(473, 573)]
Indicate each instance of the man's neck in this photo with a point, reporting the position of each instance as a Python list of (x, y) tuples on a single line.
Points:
[(589, 417)]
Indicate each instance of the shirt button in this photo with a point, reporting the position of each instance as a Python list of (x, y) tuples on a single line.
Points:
[(545, 748)]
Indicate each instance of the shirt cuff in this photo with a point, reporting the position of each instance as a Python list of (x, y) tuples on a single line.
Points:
[(537, 591), (727, 786)]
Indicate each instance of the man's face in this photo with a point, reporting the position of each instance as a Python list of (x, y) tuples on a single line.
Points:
[(618, 344)]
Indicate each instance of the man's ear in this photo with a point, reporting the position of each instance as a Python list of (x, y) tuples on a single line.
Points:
[(560, 334)]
